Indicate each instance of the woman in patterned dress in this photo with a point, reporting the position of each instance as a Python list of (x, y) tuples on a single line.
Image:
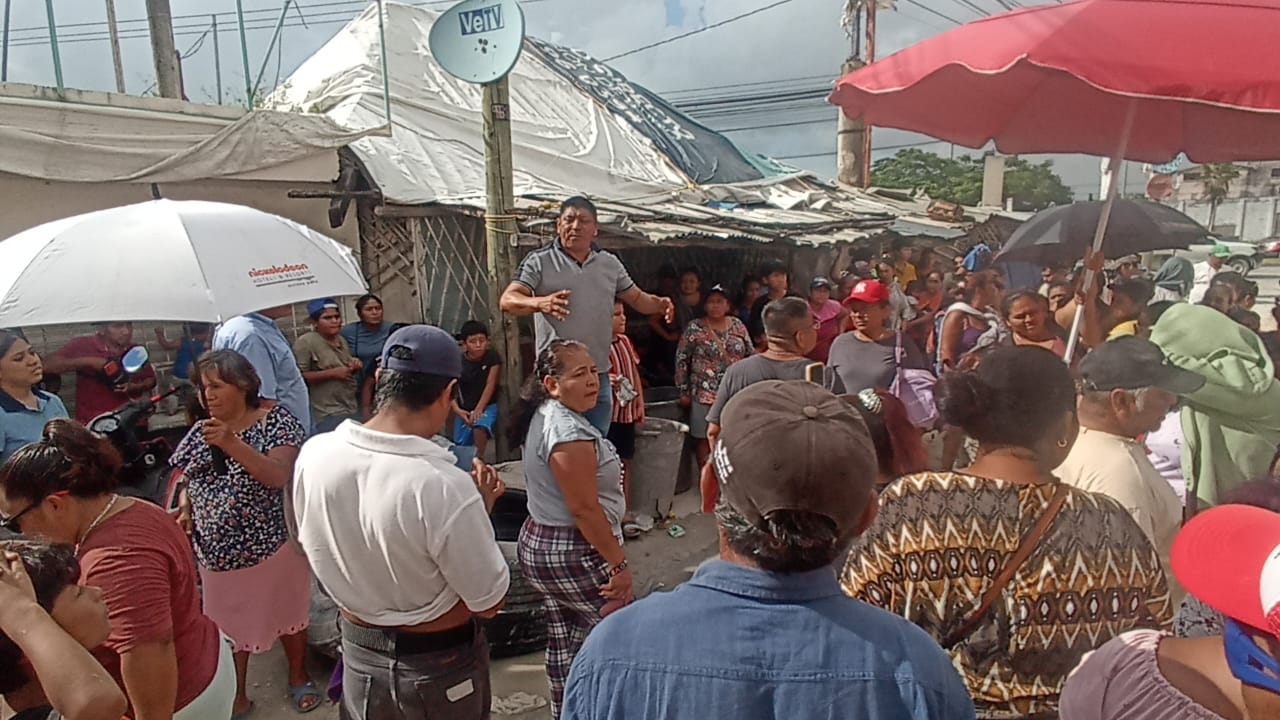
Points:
[(710, 344), (235, 466), (941, 539)]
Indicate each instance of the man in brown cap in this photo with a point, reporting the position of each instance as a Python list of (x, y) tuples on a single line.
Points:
[(764, 630)]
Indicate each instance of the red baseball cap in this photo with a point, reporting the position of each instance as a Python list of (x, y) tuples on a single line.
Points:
[(1229, 558), (868, 291)]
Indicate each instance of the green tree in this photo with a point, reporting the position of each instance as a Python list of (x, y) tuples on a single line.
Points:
[(1217, 180), (1033, 186)]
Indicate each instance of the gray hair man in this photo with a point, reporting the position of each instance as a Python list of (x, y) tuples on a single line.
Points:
[(765, 630), (1126, 390), (791, 332)]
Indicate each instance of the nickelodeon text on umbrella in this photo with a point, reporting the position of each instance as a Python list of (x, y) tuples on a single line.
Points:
[(289, 275)]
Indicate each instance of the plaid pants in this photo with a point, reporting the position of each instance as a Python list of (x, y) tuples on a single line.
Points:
[(561, 564)]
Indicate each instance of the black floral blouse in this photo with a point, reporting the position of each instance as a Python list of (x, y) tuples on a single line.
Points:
[(238, 521)]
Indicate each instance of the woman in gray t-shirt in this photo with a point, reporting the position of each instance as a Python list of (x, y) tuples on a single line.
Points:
[(570, 548)]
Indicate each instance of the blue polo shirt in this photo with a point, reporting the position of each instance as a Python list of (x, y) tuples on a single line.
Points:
[(258, 338), (20, 425), (736, 642)]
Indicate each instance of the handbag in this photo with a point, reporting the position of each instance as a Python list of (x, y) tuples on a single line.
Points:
[(915, 389), (1027, 546)]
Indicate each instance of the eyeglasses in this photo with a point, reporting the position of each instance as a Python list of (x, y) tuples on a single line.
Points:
[(11, 524)]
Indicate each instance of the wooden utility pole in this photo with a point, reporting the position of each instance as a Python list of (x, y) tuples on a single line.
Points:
[(163, 52), (849, 140), (871, 57), (114, 32), (853, 135), (500, 235)]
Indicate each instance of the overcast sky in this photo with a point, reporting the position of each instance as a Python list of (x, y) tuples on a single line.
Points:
[(797, 45)]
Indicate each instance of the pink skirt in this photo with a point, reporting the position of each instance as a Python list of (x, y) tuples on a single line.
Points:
[(258, 605)]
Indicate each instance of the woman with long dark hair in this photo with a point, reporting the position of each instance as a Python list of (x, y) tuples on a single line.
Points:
[(366, 338), (24, 409), (167, 655), (708, 347), (570, 548), (972, 322)]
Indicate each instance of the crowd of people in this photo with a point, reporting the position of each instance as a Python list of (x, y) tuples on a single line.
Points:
[(925, 508)]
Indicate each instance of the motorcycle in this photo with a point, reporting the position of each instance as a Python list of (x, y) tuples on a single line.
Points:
[(146, 473)]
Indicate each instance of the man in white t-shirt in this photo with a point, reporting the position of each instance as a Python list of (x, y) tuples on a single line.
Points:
[(1205, 271), (1127, 389), (401, 539)]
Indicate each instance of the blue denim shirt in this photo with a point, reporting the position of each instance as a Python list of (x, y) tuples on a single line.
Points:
[(258, 338), (740, 643)]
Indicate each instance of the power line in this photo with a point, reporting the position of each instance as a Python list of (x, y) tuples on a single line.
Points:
[(779, 81), (796, 123), (703, 29), (831, 153), (180, 30), (939, 13), (974, 7)]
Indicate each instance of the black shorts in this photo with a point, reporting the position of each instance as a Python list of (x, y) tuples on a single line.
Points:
[(623, 437)]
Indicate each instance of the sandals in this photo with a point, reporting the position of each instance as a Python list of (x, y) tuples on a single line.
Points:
[(299, 693), (631, 529), (246, 713)]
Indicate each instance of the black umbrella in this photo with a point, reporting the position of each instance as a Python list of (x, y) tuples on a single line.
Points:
[(1064, 234)]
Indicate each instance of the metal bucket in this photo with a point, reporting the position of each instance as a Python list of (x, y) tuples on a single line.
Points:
[(656, 467), (664, 402)]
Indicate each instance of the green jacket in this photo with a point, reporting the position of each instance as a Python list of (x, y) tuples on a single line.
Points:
[(1232, 424)]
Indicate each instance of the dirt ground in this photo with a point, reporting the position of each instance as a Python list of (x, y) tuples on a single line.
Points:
[(659, 561)]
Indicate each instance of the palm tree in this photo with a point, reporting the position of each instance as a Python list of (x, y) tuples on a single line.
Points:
[(1217, 178)]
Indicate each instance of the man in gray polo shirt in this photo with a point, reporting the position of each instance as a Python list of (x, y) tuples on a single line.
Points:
[(569, 288)]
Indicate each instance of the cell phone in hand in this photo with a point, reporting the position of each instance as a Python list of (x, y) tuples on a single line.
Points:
[(814, 373)]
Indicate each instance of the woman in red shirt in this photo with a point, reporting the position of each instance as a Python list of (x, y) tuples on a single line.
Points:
[(169, 658)]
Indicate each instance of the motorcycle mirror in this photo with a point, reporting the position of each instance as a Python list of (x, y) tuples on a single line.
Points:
[(135, 359)]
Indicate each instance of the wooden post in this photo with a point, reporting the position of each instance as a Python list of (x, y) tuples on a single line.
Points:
[(866, 127), (500, 235), (114, 32), (849, 140), (163, 52)]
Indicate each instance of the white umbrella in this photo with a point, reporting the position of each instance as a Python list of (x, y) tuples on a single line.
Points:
[(167, 260)]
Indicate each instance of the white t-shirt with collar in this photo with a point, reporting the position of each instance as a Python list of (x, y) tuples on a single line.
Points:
[(393, 530)]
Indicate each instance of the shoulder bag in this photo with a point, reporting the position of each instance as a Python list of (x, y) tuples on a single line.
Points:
[(1028, 545), (915, 389)]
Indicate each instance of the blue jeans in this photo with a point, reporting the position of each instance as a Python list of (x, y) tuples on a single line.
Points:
[(602, 414)]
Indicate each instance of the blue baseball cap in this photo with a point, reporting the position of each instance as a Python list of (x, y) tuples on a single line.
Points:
[(316, 307), (423, 349)]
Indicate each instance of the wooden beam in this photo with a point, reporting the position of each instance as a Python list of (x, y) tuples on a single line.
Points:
[(326, 194)]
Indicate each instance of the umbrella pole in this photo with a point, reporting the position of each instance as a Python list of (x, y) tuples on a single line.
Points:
[(1103, 219)]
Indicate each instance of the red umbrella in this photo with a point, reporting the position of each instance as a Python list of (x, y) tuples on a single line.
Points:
[(1129, 79), (1199, 77)]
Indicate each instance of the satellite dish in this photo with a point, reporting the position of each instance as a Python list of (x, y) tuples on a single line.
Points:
[(478, 41)]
